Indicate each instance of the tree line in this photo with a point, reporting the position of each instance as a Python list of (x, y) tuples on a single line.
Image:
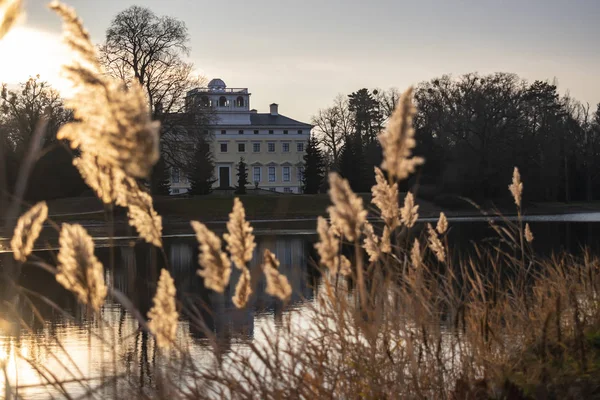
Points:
[(472, 130)]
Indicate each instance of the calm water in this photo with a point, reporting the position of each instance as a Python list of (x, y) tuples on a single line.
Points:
[(69, 345)]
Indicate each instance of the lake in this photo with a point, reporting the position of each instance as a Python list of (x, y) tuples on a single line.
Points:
[(69, 344)]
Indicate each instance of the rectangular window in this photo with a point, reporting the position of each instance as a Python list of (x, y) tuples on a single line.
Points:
[(273, 189), (223, 147), (175, 175), (300, 147), (286, 174), (286, 147), (299, 131), (287, 190), (256, 174), (300, 171), (256, 147), (285, 132), (271, 174), (242, 147), (175, 191), (271, 147), (270, 131), (241, 132), (223, 131), (256, 131)]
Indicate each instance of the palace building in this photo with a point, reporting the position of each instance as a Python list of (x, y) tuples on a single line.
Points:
[(271, 144)]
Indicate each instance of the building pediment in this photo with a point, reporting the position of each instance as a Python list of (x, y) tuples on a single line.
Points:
[(286, 164), (272, 164), (257, 164)]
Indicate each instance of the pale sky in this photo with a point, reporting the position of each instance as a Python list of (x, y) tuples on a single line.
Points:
[(302, 53)]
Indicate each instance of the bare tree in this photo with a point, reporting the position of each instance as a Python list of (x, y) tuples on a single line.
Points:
[(334, 124), (387, 100)]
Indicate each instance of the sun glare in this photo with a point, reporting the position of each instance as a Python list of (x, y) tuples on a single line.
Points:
[(28, 52)]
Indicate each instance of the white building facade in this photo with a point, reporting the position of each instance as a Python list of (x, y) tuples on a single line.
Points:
[(272, 145)]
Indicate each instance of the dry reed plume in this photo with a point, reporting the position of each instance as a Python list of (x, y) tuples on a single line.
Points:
[(28, 230), (347, 211), (78, 268), (216, 267), (112, 129), (528, 234), (243, 289), (397, 140), (435, 244), (240, 240), (163, 315), (10, 11), (385, 197), (371, 242), (328, 248), (442, 225), (277, 283), (410, 211), (516, 187)]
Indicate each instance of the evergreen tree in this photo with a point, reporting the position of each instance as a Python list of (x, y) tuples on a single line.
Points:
[(242, 175), (352, 165), (203, 172), (159, 182), (366, 115), (314, 167)]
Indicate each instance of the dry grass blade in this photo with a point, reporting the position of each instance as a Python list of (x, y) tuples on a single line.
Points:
[(243, 289), (410, 211), (27, 231), (347, 211), (240, 240)]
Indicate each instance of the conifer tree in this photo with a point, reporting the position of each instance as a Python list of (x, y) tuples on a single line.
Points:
[(314, 167), (242, 175), (160, 180), (202, 177)]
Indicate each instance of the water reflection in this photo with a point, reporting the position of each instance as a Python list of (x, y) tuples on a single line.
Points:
[(52, 330)]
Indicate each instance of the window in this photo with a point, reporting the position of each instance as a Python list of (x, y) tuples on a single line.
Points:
[(222, 101), (256, 147), (300, 147), (287, 190), (270, 131), (299, 131), (223, 147), (286, 147), (300, 171), (271, 146), (286, 174), (239, 102), (256, 131), (273, 189), (271, 174), (242, 147), (175, 191), (241, 132), (175, 175), (204, 101), (256, 174), (223, 132), (285, 132)]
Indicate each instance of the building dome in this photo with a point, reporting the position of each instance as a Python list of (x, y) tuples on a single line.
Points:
[(216, 84)]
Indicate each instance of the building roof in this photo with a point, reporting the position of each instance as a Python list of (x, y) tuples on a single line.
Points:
[(266, 119)]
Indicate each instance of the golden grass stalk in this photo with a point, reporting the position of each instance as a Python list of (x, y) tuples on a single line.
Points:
[(409, 212), (216, 267), (415, 254), (28, 230), (386, 240), (10, 11), (347, 211), (397, 140), (78, 268), (240, 240), (163, 315), (277, 283), (243, 289), (442, 225), (516, 187), (371, 242), (435, 244), (328, 248), (528, 234), (385, 197)]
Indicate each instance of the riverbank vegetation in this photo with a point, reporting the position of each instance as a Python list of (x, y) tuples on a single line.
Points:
[(395, 315)]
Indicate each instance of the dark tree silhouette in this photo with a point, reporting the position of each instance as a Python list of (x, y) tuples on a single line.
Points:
[(159, 181), (366, 115), (242, 174), (314, 167), (203, 173)]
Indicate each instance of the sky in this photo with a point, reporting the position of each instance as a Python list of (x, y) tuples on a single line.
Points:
[(301, 54)]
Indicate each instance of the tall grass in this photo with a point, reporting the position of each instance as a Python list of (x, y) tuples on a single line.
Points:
[(396, 316)]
